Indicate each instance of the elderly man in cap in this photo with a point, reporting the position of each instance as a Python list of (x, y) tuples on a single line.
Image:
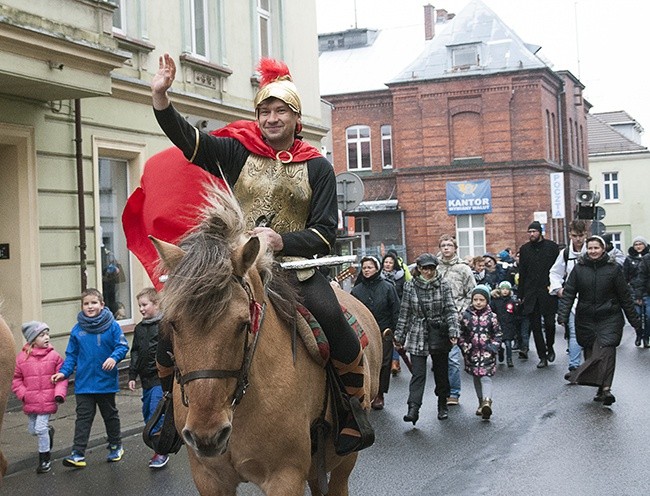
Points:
[(535, 261), (279, 178), (427, 325)]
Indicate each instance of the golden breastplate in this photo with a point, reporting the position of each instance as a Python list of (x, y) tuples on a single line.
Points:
[(268, 187)]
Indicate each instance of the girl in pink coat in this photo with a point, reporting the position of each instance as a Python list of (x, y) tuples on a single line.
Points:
[(32, 384)]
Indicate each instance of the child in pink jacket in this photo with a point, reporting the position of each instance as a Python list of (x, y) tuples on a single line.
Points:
[(32, 384)]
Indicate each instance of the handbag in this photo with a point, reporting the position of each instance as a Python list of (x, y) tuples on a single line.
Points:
[(166, 440)]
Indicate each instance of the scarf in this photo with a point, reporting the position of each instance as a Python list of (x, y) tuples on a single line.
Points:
[(153, 320), (96, 325), (248, 134)]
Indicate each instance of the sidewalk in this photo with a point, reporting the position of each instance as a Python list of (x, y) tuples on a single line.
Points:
[(21, 449)]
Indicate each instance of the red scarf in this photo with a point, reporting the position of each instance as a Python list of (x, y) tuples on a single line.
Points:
[(248, 134)]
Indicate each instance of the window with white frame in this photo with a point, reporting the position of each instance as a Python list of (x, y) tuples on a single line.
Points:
[(199, 28), (120, 16), (387, 146), (617, 240), (264, 27), (358, 143), (610, 186), (115, 265), (464, 56), (470, 235)]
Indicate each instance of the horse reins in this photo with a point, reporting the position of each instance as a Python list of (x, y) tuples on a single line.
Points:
[(257, 312)]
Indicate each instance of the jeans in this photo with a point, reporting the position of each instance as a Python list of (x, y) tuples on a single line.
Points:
[(38, 425), (150, 399), (454, 371), (639, 310), (575, 350)]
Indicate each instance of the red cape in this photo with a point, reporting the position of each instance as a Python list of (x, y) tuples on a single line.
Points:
[(171, 194)]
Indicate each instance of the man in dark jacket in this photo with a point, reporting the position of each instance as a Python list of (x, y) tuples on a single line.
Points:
[(641, 286), (380, 296), (535, 260)]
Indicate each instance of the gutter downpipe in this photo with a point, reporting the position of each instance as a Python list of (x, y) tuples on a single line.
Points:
[(567, 175), (80, 195)]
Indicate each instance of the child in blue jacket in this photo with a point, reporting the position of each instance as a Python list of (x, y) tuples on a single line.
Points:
[(96, 345)]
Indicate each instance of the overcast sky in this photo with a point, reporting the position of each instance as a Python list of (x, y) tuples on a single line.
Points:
[(603, 43)]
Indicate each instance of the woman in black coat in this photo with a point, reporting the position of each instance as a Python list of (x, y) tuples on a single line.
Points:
[(380, 296), (603, 295)]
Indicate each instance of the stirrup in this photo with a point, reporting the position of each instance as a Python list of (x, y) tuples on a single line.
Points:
[(366, 431)]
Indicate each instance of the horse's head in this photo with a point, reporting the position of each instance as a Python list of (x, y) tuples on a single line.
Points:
[(211, 302)]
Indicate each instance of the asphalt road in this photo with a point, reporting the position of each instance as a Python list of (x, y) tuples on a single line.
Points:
[(545, 438)]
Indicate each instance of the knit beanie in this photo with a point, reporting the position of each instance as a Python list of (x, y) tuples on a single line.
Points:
[(641, 239), (505, 284), (535, 225), (370, 258), (427, 259), (32, 329), (482, 289)]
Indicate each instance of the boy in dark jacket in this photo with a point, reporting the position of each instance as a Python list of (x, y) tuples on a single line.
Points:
[(143, 361)]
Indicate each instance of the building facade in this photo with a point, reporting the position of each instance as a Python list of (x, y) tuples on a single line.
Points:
[(618, 166), (77, 127), (475, 136)]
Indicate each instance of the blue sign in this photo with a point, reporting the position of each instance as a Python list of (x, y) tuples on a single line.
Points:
[(469, 197)]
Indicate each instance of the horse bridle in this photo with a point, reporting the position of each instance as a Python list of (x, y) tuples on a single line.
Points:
[(257, 312)]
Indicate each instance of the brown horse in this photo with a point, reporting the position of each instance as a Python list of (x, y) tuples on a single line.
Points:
[(216, 278), (7, 366)]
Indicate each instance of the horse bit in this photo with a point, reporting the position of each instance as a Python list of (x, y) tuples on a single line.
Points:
[(257, 312)]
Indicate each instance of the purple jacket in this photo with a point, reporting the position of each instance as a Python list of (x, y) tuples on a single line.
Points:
[(32, 384)]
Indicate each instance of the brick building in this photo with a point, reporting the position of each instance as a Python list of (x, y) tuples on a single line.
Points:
[(476, 135)]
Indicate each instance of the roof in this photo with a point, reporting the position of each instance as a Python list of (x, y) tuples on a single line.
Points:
[(368, 68), (499, 48), (605, 139)]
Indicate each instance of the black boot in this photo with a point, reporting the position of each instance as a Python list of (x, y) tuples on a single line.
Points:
[(413, 413), (44, 464), (443, 412), (50, 431)]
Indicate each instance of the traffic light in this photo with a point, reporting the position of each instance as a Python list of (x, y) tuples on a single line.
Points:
[(586, 209)]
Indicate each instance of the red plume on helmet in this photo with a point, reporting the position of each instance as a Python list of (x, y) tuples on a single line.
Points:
[(271, 70)]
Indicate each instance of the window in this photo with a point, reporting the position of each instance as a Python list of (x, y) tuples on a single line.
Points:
[(617, 240), (199, 27), (264, 26), (358, 142), (464, 56), (119, 16), (610, 186), (470, 235), (115, 265), (386, 146)]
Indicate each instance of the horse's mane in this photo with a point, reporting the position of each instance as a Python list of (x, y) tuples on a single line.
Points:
[(199, 288)]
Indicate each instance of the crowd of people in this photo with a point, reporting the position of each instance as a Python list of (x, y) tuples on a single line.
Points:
[(482, 309)]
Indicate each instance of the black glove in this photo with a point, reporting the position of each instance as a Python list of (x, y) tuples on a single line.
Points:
[(59, 399), (167, 382)]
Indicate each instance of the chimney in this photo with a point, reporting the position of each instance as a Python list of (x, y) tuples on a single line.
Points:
[(442, 15), (429, 21)]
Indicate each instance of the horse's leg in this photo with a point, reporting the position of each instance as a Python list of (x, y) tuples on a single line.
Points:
[(340, 475), (289, 481), (210, 481)]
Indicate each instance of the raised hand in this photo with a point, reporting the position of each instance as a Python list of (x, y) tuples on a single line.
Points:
[(162, 81)]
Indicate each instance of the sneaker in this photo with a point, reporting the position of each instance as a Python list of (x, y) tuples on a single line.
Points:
[(452, 401), (76, 459), (115, 453), (158, 461)]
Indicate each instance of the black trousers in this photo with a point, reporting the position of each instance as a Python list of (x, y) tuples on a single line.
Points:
[(86, 408), (440, 367), (320, 300), (386, 362), (545, 340)]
